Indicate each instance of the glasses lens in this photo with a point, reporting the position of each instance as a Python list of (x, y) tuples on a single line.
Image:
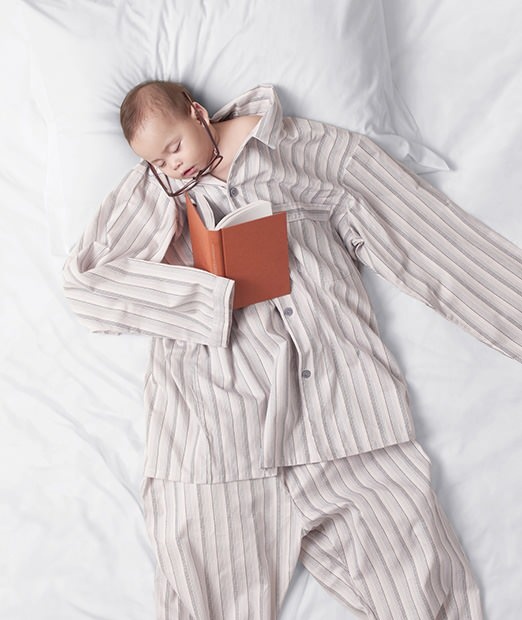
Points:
[(211, 166), (216, 160)]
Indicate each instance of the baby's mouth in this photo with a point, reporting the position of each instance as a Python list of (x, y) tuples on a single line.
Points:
[(190, 172)]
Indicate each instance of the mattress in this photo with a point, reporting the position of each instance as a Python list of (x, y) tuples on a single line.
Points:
[(436, 83)]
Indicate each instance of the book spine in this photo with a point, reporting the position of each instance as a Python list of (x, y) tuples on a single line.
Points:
[(216, 253)]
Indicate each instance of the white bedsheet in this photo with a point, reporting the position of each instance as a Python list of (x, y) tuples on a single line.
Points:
[(72, 535)]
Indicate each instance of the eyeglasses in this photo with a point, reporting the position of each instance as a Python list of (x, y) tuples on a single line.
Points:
[(212, 165)]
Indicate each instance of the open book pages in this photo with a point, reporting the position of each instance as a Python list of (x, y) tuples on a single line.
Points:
[(251, 211)]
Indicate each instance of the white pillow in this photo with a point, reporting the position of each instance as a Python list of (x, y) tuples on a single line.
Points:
[(328, 60)]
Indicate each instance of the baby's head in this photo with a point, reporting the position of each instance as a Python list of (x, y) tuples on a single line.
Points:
[(151, 98), (163, 127)]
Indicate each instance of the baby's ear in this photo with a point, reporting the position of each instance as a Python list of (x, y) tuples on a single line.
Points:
[(199, 112)]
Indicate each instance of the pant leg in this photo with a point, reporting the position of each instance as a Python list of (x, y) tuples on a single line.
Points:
[(225, 551), (168, 604), (378, 539)]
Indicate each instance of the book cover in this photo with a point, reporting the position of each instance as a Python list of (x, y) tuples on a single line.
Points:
[(253, 253)]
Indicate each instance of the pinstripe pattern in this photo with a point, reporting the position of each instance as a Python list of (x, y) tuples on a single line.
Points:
[(305, 377), (209, 544), (369, 528), (418, 239)]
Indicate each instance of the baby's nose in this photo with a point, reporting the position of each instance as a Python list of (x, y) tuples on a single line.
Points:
[(174, 163)]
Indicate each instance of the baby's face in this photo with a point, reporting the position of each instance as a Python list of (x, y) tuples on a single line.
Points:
[(178, 147)]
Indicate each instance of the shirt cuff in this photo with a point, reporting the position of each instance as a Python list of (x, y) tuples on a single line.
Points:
[(223, 301)]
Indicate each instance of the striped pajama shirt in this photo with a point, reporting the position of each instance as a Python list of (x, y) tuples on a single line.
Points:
[(241, 397)]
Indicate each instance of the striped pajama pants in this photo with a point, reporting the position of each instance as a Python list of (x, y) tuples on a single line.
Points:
[(368, 527)]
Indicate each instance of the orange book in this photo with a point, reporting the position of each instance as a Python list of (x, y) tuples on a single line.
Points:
[(253, 253)]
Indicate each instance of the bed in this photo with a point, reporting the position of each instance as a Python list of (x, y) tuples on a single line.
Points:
[(436, 83)]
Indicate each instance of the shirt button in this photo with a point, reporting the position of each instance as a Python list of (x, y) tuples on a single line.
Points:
[(288, 311), (306, 374), (233, 191)]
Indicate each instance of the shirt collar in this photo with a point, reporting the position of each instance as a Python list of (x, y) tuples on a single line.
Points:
[(262, 100)]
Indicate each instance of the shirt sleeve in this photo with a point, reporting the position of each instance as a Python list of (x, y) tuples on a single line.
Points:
[(115, 282), (414, 236)]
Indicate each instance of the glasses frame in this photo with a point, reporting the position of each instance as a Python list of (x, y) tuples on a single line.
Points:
[(214, 162)]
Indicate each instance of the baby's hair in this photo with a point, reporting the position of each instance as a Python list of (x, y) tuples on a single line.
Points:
[(149, 98)]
